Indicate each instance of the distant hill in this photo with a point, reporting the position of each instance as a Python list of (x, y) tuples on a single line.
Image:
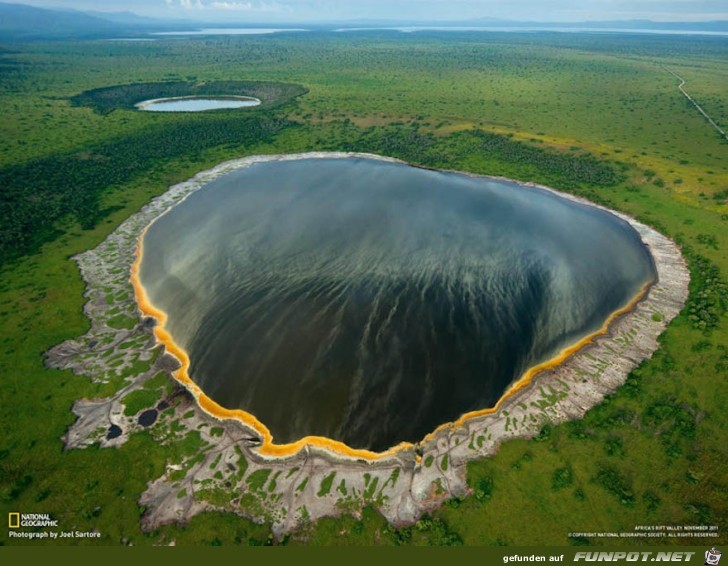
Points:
[(18, 21), (135, 21), (126, 18)]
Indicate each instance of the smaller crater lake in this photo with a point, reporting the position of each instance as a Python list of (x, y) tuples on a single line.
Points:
[(197, 103), (369, 301)]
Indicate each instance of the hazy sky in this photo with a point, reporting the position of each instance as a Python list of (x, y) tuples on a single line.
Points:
[(319, 10)]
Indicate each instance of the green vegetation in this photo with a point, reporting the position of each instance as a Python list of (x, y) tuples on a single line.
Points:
[(593, 114), (326, 484), (138, 400), (257, 479), (611, 480), (562, 478), (484, 488), (40, 192), (708, 299), (444, 462), (122, 321)]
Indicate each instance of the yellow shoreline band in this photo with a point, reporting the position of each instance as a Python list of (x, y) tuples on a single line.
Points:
[(267, 447)]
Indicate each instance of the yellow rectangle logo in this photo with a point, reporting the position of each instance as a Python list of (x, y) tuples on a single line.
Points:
[(13, 520)]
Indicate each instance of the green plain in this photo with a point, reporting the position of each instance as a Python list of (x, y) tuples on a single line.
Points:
[(597, 115)]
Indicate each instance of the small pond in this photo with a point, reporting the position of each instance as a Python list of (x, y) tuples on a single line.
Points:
[(197, 103)]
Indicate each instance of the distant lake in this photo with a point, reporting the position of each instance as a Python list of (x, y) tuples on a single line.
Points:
[(196, 103), (370, 301), (412, 29), (228, 31), (131, 39)]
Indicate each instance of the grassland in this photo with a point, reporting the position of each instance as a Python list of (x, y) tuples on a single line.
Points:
[(597, 115)]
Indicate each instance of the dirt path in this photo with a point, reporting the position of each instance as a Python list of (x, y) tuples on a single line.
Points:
[(700, 109)]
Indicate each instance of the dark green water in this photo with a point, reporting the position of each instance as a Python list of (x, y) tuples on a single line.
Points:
[(370, 302)]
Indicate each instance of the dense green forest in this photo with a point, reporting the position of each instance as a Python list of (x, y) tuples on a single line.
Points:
[(598, 115), (38, 193)]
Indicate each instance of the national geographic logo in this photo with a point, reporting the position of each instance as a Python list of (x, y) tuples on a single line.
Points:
[(633, 556), (17, 520), (42, 526)]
